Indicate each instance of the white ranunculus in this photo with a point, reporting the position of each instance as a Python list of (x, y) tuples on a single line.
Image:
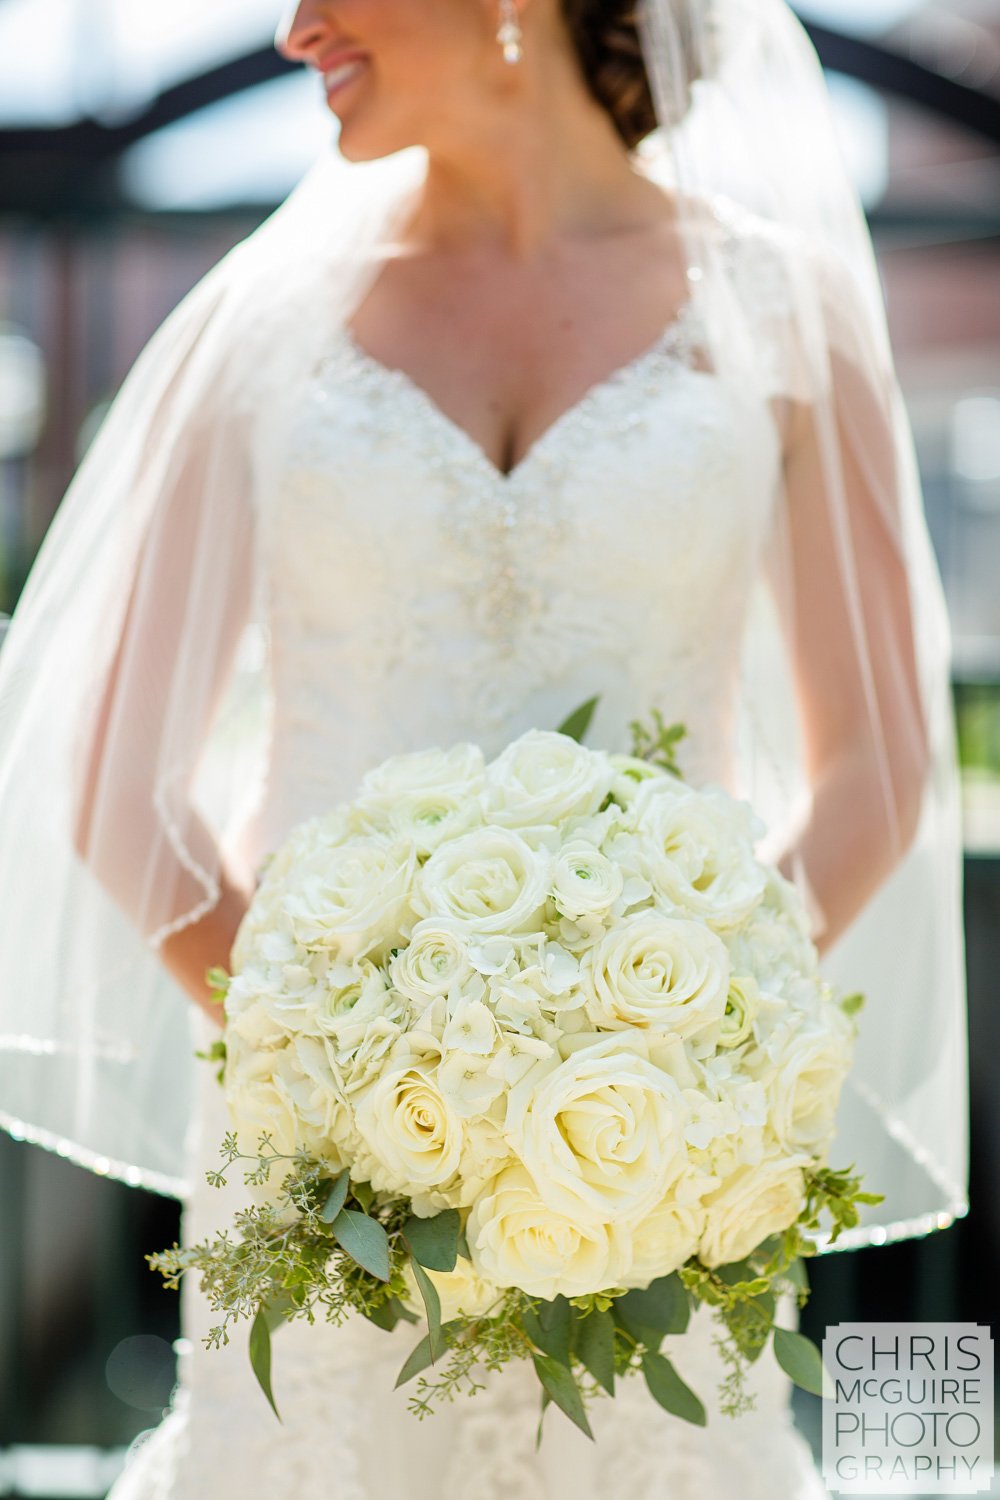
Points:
[(352, 994), (353, 899), (429, 818), (412, 1136), (435, 960), (698, 850), (742, 1005), (290, 1094), (657, 971), (363, 1057), (664, 1239), (544, 777), (517, 1239), (630, 772), (376, 1007), (585, 883), (601, 1131), (804, 1091), (490, 881), (752, 1203)]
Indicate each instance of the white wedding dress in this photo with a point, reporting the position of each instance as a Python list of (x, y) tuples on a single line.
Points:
[(419, 596)]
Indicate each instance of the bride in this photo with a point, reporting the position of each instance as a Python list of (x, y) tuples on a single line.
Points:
[(563, 372)]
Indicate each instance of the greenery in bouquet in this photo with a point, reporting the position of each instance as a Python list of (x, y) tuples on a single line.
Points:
[(534, 1052)]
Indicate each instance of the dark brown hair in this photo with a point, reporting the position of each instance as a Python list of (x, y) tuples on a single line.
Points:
[(606, 36)]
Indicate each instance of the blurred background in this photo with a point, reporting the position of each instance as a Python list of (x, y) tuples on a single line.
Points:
[(138, 142)]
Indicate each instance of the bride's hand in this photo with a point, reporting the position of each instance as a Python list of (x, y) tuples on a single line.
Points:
[(189, 953)]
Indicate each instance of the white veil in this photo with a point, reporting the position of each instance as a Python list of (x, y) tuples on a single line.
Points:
[(134, 681)]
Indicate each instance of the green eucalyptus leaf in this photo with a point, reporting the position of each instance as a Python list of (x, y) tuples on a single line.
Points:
[(667, 1388), (663, 1305), (260, 1356), (280, 1307), (432, 1305), (422, 1355), (549, 1327), (578, 722), (801, 1360), (363, 1193), (546, 1400), (595, 1347), (336, 1197), (434, 1242), (462, 1246), (641, 1333), (558, 1382), (364, 1240), (797, 1273), (418, 1359), (388, 1314)]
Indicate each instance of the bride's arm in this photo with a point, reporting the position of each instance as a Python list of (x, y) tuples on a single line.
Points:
[(846, 610), (189, 598)]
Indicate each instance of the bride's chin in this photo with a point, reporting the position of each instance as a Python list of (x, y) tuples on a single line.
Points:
[(352, 149)]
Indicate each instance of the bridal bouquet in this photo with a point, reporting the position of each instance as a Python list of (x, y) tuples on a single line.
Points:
[(535, 1050)]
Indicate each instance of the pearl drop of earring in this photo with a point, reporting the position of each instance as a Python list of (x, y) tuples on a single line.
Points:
[(509, 33)]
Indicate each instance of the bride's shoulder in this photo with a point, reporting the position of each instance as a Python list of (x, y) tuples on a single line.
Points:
[(752, 244), (782, 274)]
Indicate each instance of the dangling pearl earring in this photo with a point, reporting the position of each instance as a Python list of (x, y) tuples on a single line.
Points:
[(509, 32)]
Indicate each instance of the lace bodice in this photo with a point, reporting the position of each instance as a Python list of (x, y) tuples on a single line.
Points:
[(416, 595)]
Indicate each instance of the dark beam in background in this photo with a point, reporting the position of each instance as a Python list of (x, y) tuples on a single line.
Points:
[(70, 171), (871, 62)]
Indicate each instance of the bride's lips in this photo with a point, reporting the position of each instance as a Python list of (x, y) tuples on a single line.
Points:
[(339, 69)]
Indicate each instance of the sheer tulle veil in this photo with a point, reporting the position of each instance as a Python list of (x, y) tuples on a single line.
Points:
[(135, 713)]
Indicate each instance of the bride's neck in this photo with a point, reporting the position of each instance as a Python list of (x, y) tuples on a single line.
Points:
[(546, 163)]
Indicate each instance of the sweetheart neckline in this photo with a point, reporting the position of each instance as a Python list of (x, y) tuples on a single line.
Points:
[(673, 343)]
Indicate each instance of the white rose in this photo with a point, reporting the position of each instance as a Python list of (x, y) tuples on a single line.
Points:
[(544, 777), (657, 971), (698, 850), (458, 771), (664, 1239), (601, 1131), (517, 1239), (752, 1203), (490, 881), (804, 1092), (412, 1136), (353, 899), (461, 1291)]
